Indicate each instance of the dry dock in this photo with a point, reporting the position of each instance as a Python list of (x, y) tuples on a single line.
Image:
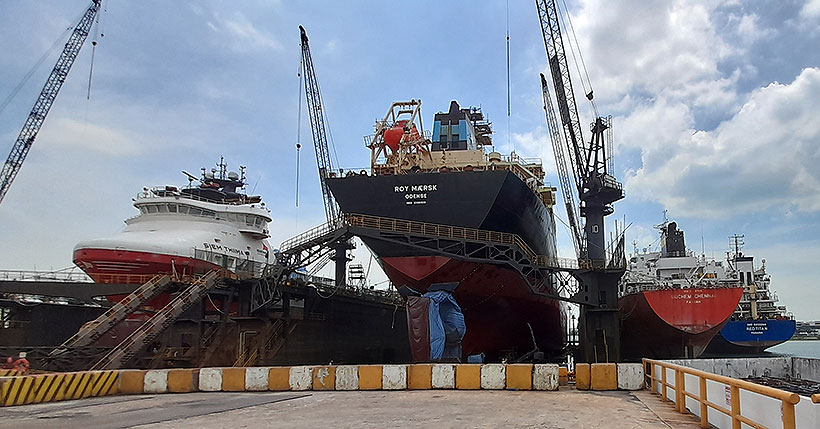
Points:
[(566, 408)]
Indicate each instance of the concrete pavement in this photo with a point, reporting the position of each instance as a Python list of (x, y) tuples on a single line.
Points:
[(567, 408)]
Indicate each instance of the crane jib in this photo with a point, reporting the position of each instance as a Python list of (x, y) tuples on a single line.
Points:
[(46, 98)]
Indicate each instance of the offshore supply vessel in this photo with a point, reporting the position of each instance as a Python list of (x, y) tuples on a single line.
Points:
[(448, 178), (186, 231), (759, 322), (672, 303)]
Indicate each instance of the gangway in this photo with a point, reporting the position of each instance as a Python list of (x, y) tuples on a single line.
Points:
[(545, 275), (149, 330), (93, 330)]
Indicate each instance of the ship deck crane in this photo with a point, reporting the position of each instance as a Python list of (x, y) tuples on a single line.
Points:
[(316, 112), (46, 99), (596, 188)]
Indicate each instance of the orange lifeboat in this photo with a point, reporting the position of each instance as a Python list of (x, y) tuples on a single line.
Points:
[(393, 135)]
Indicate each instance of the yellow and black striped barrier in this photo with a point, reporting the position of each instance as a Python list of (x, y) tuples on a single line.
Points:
[(33, 389)]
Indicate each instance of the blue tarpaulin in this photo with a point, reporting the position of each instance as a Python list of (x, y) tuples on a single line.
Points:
[(447, 326)]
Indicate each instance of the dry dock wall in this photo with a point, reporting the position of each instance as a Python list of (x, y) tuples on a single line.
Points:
[(780, 367), (20, 390)]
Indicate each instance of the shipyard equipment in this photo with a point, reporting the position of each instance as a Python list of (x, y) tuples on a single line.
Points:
[(46, 99), (316, 112), (591, 179)]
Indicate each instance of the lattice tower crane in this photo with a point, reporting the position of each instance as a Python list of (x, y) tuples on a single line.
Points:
[(597, 189), (47, 96), (316, 112)]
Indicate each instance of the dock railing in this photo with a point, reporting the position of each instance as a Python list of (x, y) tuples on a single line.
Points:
[(458, 232), (734, 387)]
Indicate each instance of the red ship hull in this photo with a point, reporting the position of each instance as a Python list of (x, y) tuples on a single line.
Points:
[(497, 305), (131, 267), (674, 323)]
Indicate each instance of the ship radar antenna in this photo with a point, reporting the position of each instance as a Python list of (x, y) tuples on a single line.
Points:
[(223, 169), (242, 177), (736, 242)]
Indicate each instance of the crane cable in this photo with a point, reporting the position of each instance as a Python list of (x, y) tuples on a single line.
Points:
[(587, 93), (299, 128), (509, 137), (34, 68), (97, 30)]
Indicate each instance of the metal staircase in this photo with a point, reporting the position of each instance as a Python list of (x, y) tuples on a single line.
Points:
[(149, 330), (93, 330)]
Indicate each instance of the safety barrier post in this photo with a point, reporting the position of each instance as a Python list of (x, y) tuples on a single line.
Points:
[(680, 389), (663, 384), (704, 409), (735, 396), (788, 415)]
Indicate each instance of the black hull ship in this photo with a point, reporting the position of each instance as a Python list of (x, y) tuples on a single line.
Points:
[(450, 180)]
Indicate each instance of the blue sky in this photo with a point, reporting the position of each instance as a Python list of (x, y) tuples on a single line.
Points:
[(714, 103)]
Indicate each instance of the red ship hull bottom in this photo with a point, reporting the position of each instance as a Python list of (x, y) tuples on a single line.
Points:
[(497, 304), (132, 267), (674, 323)]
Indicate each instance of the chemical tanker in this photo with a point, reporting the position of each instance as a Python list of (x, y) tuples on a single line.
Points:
[(449, 178), (672, 303)]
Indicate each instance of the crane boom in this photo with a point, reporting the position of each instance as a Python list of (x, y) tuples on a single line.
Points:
[(44, 102), (559, 70), (317, 125), (596, 188), (560, 162)]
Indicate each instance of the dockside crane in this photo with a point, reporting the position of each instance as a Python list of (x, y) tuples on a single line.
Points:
[(46, 99), (596, 188), (316, 112)]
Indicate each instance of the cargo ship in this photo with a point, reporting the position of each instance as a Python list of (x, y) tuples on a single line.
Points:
[(453, 177), (759, 322), (671, 302)]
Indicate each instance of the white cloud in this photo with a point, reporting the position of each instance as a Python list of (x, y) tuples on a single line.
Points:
[(655, 48), (91, 137), (810, 10), (765, 157), (244, 37)]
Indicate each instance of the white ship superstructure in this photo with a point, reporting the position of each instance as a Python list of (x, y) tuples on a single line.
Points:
[(187, 231)]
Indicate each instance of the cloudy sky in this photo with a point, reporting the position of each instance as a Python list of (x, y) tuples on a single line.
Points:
[(715, 106)]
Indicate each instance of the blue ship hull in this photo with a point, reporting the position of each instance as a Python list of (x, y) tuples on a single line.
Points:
[(754, 335)]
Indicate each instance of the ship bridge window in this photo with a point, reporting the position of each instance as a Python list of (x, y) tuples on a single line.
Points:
[(152, 208), (208, 213), (182, 209), (196, 211), (162, 208), (172, 208)]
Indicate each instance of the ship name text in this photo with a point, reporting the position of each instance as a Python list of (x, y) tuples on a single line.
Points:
[(415, 194)]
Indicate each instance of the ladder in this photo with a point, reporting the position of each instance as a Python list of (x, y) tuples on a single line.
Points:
[(263, 342), (93, 330), (149, 330)]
